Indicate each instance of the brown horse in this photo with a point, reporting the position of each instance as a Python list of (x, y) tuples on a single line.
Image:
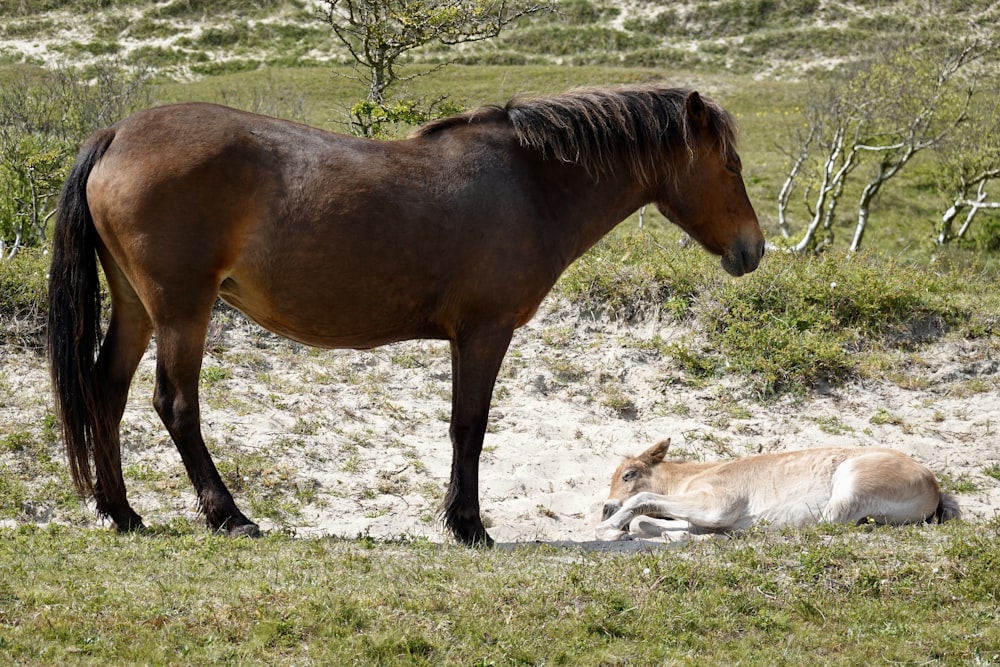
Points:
[(455, 233)]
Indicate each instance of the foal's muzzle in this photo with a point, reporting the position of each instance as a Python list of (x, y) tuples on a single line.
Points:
[(610, 507)]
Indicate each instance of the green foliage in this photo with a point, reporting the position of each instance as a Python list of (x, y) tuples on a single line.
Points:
[(32, 7), (23, 298), (44, 115), (633, 275), (796, 323), (584, 44), (583, 12), (384, 120)]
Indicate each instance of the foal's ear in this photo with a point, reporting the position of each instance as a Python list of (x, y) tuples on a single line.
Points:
[(696, 109), (656, 453)]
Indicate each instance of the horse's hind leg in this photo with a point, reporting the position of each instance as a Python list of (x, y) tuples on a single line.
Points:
[(179, 344), (122, 349)]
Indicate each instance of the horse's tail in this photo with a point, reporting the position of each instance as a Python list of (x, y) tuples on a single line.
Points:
[(947, 508), (74, 319)]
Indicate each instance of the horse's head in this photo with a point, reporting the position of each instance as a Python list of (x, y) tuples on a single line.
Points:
[(634, 475), (707, 197)]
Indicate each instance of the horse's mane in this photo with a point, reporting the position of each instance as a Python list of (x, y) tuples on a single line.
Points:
[(598, 128)]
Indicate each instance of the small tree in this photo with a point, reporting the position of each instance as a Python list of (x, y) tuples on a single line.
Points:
[(880, 115), (381, 35), (969, 166)]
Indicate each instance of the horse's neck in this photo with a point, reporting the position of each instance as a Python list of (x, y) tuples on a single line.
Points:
[(595, 206)]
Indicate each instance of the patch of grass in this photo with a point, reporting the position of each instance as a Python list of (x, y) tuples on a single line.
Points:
[(883, 416), (796, 323), (618, 400), (212, 375), (182, 596), (957, 483), (588, 45), (633, 275), (832, 425), (564, 369)]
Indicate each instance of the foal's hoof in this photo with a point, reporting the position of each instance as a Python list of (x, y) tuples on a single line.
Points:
[(611, 534)]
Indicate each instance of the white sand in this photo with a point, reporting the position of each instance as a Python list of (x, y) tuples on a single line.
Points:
[(357, 442)]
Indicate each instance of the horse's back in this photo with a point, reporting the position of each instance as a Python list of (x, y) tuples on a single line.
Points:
[(331, 240)]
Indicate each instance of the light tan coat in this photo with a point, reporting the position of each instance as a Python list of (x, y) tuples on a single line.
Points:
[(784, 489)]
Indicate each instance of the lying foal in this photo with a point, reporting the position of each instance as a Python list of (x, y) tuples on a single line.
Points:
[(784, 489)]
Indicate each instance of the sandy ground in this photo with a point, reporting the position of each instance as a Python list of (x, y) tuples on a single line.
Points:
[(347, 443)]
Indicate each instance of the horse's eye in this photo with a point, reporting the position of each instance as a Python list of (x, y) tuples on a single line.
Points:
[(630, 475)]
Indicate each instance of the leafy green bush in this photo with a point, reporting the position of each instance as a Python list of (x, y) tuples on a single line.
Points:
[(798, 322), (24, 298), (44, 115)]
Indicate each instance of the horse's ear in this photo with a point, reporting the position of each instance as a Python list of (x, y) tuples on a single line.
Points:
[(696, 109), (656, 453)]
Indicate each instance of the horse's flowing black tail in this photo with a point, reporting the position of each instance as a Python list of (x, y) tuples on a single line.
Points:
[(74, 321)]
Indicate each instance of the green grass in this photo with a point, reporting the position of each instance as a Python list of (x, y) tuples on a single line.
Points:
[(797, 322), (835, 595)]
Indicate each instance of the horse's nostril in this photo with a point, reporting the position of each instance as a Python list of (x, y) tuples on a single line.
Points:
[(610, 508)]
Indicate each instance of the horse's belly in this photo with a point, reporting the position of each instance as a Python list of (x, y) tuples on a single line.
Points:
[(327, 326)]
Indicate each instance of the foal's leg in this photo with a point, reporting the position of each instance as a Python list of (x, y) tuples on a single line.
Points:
[(180, 345), (475, 362), (124, 344), (709, 511)]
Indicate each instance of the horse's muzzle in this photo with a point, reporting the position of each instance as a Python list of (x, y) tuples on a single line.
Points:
[(743, 257)]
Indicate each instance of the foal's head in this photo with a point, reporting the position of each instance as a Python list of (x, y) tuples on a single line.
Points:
[(635, 475), (708, 199)]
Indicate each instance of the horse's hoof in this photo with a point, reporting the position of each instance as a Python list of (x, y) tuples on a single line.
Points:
[(131, 524), (470, 531), (246, 530), (474, 537)]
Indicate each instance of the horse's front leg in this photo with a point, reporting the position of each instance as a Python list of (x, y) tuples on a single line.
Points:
[(179, 353), (475, 362)]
